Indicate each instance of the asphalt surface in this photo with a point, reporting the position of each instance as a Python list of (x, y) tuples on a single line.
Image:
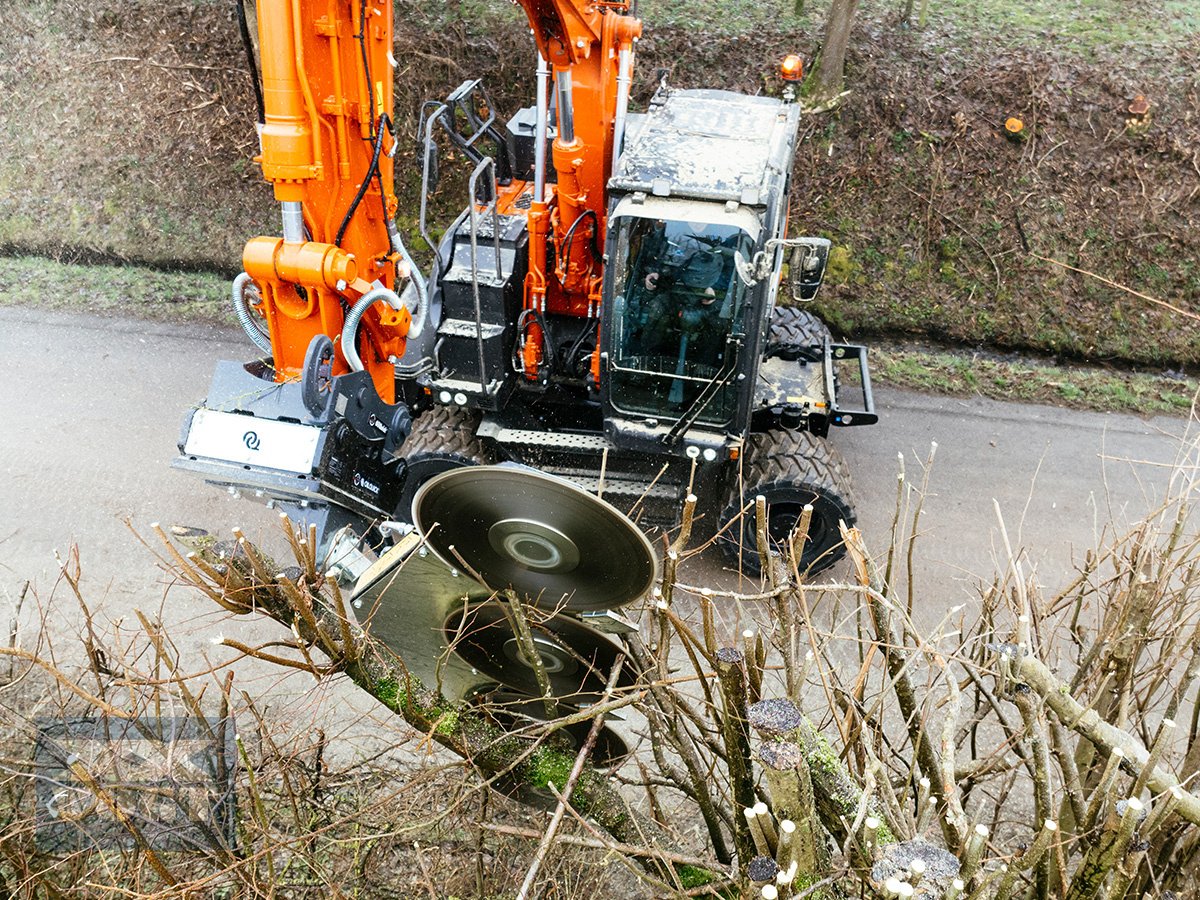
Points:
[(90, 417)]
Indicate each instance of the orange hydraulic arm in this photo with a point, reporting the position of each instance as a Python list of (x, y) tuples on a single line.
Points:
[(327, 75), (589, 47)]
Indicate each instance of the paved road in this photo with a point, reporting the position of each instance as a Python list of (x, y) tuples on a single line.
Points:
[(89, 420)]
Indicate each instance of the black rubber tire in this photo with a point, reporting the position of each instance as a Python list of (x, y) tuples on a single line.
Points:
[(442, 438), (791, 325), (790, 469)]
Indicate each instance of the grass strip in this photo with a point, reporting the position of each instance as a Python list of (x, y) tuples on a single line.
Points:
[(1074, 386), (125, 291)]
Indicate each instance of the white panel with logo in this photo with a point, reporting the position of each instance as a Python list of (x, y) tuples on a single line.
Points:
[(263, 443)]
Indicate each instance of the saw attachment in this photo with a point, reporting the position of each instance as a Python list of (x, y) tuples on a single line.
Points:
[(556, 546), (485, 535), (576, 659)]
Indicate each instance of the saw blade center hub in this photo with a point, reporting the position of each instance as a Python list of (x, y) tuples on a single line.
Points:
[(556, 659), (534, 545)]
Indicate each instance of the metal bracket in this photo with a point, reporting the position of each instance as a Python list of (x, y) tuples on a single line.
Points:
[(346, 562), (807, 265), (609, 622), (838, 414)]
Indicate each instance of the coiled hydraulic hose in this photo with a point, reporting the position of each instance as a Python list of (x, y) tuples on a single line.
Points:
[(354, 317), (241, 309)]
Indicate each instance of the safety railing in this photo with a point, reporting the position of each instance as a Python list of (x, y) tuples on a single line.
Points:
[(487, 164)]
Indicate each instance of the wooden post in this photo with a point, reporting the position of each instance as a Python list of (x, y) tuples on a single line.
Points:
[(736, 734)]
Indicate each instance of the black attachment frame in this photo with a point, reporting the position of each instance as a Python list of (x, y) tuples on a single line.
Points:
[(838, 414), (462, 106)]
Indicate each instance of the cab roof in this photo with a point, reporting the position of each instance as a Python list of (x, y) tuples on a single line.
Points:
[(709, 145)]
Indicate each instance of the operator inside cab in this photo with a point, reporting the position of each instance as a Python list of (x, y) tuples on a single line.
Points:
[(677, 298), (678, 302)]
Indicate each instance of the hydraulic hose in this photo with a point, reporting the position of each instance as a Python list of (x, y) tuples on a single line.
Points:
[(350, 329), (372, 170), (564, 264), (241, 309), (421, 314), (248, 46)]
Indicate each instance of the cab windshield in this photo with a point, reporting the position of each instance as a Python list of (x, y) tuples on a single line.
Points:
[(677, 311)]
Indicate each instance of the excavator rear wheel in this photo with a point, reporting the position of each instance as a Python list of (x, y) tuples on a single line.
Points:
[(790, 469), (442, 438)]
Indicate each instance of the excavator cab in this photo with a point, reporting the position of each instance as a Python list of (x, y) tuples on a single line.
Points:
[(696, 248), (678, 310)]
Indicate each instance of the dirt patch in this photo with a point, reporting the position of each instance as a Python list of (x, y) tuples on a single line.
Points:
[(923, 189), (127, 132)]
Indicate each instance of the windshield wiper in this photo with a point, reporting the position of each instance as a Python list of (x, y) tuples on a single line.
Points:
[(722, 378)]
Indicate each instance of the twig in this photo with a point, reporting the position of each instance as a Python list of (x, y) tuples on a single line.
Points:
[(735, 731), (896, 655), (1087, 722), (520, 626), (77, 768), (1119, 287), (580, 758), (62, 679), (596, 844)]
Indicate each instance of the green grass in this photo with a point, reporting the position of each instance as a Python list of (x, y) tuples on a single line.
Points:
[(128, 291), (1078, 387), (1079, 26), (1082, 27), (723, 17)]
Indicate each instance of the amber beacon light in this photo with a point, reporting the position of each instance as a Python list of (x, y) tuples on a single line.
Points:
[(792, 68)]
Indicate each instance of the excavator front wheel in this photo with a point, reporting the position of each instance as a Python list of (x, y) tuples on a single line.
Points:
[(795, 327), (790, 469)]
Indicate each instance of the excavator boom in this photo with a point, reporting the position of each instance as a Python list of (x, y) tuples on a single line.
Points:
[(589, 48), (327, 143)]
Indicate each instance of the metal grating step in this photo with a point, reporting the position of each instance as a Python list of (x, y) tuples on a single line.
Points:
[(620, 486), (660, 503), (562, 440)]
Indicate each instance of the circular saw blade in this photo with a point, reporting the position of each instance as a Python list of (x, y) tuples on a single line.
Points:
[(577, 659), (556, 545)]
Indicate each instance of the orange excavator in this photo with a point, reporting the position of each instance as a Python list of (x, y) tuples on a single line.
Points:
[(605, 308)]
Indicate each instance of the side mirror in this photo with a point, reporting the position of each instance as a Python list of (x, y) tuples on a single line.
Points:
[(744, 268), (806, 267)]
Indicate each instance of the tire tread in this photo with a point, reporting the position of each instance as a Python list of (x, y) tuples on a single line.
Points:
[(787, 460), (447, 431), (790, 325)]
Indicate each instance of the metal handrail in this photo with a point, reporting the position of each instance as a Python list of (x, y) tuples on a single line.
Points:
[(428, 146), (484, 165)]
